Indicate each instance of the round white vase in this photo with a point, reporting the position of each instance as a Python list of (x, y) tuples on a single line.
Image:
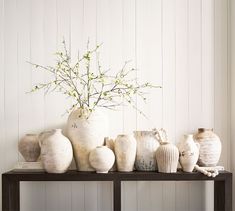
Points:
[(56, 151), (167, 157), (125, 152), (147, 145), (210, 147), (189, 153), (29, 147), (102, 159), (86, 130)]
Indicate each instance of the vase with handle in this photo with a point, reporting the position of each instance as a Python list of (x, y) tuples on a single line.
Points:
[(147, 145)]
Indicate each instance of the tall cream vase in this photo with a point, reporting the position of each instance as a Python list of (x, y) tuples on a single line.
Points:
[(125, 152), (86, 130)]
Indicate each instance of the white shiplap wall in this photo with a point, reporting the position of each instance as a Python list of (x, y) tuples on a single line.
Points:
[(179, 44)]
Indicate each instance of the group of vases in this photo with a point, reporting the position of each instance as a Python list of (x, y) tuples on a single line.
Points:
[(144, 150)]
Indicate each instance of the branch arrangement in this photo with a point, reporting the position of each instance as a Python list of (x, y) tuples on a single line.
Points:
[(91, 87)]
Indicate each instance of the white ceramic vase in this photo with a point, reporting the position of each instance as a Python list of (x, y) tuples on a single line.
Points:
[(167, 157), (125, 152), (210, 147), (189, 153), (56, 151), (29, 147), (110, 144), (147, 145), (86, 131), (102, 159)]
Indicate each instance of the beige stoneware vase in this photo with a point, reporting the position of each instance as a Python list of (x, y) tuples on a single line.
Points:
[(86, 131), (125, 152), (167, 156), (102, 159), (29, 147), (147, 145), (56, 151), (210, 147)]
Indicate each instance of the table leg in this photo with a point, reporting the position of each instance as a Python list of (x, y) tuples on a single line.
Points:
[(10, 194), (117, 195), (223, 194)]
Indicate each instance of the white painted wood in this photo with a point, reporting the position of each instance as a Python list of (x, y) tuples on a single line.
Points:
[(196, 195), (181, 45), (232, 79), (2, 91), (207, 55), (169, 88), (221, 77), (181, 92)]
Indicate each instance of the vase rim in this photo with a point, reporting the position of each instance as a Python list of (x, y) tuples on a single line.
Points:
[(201, 130)]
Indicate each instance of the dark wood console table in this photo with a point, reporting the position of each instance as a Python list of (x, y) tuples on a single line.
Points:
[(11, 184)]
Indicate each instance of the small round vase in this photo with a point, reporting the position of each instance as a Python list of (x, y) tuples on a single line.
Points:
[(86, 130), (101, 159), (147, 145), (210, 147), (56, 151), (29, 147), (125, 151), (167, 157), (189, 153)]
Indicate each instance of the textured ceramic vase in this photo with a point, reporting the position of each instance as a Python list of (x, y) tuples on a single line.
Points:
[(86, 131), (167, 157), (29, 147), (147, 145), (102, 159), (110, 144), (125, 152), (56, 151), (210, 147), (189, 153)]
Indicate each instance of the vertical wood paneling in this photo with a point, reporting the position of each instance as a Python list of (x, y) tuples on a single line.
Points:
[(169, 85), (77, 40), (207, 55), (196, 197), (28, 36), (182, 92), (180, 44), (221, 76), (149, 69), (2, 91), (11, 87), (103, 37)]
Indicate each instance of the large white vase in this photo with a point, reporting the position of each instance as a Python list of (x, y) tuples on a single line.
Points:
[(147, 145), (86, 130), (189, 153), (56, 151)]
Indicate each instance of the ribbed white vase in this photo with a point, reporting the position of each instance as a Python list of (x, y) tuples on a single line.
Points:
[(167, 156), (125, 152)]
